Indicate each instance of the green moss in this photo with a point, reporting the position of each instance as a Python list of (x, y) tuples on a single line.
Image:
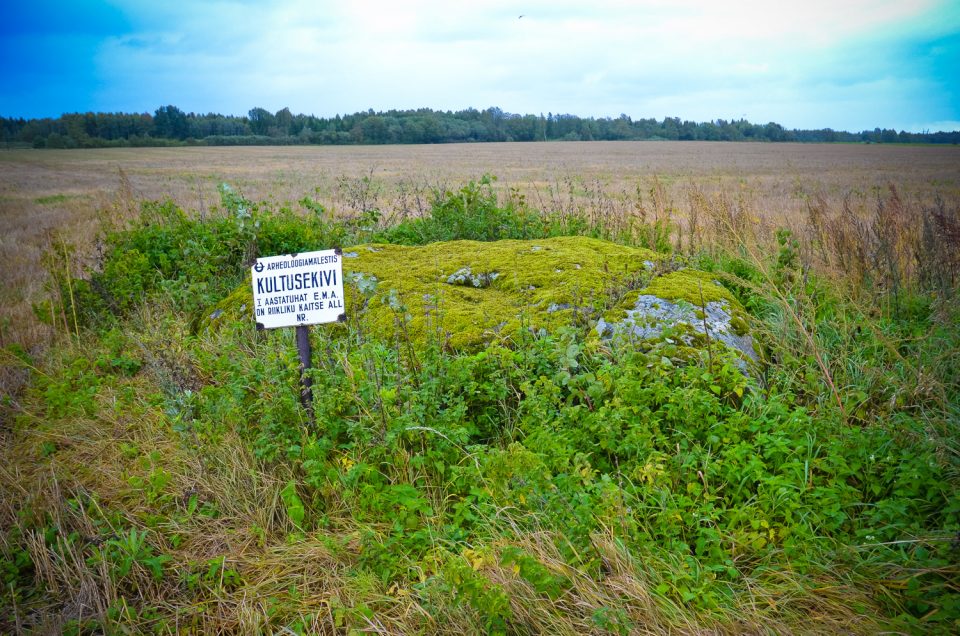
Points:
[(533, 279), (538, 283), (739, 324), (232, 308), (526, 284), (687, 285)]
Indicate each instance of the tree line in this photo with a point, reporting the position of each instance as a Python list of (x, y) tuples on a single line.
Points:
[(169, 125)]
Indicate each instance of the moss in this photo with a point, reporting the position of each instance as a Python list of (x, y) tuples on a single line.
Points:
[(538, 284), (687, 285), (233, 307), (544, 283), (532, 279), (739, 324)]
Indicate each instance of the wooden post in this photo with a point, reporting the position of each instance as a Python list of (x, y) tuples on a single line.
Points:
[(306, 384)]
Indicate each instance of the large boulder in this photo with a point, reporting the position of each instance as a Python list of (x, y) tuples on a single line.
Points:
[(467, 293)]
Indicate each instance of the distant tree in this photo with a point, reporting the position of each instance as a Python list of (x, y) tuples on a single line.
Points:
[(671, 128), (687, 131), (373, 130), (889, 136), (621, 128), (170, 122), (261, 120), (283, 123), (774, 132)]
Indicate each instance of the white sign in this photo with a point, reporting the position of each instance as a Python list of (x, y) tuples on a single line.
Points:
[(298, 289)]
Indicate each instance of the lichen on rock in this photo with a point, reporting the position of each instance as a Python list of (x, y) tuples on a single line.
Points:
[(688, 299), (466, 276), (652, 315)]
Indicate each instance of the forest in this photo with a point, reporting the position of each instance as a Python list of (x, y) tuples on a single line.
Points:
[(171, 126)]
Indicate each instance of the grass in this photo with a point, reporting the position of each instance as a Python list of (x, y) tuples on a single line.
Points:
[(156, 478)]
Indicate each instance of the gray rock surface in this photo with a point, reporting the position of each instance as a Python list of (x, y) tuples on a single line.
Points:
[(464, 276), (651, 315)]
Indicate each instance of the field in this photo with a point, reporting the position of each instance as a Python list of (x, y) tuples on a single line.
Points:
[(158, 473)]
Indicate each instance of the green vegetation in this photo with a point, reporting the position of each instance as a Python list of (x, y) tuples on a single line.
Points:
[(503, 287), (161, 476), (171, 126)]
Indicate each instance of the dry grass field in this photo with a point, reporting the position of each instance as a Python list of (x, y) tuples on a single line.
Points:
[(54, 194)]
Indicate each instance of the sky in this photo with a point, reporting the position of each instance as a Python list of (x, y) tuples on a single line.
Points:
[(842, 64)]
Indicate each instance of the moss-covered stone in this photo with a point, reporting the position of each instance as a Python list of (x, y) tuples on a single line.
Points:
[(468, 292), (686, 298), (538, 284)]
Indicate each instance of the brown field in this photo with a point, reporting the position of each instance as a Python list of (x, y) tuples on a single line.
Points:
[(51, 194)]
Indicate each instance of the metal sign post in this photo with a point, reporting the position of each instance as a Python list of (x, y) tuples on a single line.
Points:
[(298, 290)]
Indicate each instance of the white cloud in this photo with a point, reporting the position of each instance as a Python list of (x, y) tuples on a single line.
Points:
[(782, 61)]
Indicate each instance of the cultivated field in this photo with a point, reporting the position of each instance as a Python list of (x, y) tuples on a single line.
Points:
[(49, 194)]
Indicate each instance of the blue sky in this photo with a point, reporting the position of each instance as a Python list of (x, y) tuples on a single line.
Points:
[(843, 64)]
